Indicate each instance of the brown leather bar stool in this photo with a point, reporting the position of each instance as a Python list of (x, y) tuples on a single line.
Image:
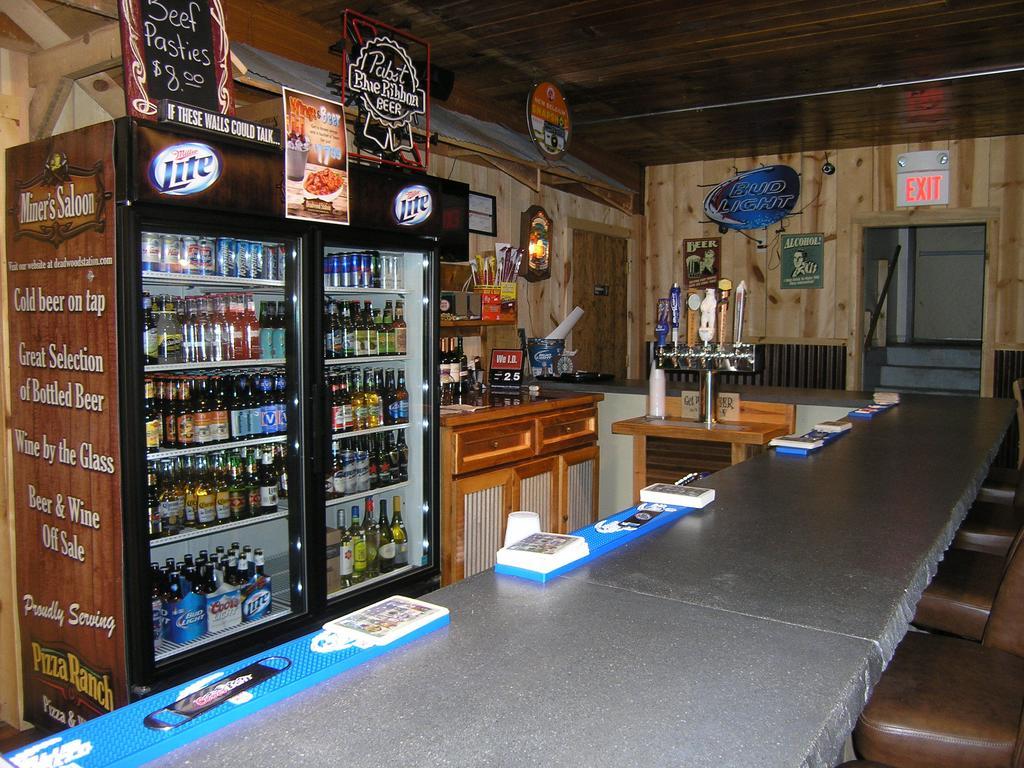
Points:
[(959, 599), (944, 702), (990, 527), (999, 485)]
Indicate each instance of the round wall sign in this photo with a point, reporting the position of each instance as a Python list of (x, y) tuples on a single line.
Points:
[(549, 122)]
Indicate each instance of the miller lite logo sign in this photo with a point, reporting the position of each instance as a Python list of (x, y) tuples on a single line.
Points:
[(413, 205), (185, 169)]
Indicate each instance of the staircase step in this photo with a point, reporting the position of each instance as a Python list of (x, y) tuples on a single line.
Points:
[(955, 357), (948, 378)]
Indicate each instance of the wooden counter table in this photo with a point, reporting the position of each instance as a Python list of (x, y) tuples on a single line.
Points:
[(666, 449), (519, 452)]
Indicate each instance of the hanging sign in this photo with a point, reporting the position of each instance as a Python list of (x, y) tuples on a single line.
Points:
[(315, 159), (753, 199), (550, 124), (702, 257), (385, 80), (536, 241), (922, 178), (64, 425), (195, 118), (177, 50), (802, 261)]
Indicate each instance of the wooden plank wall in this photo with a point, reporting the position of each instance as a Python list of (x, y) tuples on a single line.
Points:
[(986, 173), (543, 304)]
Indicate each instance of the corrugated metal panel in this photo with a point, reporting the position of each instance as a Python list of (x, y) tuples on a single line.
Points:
[(535, 496), (482, 528), (580, 497)]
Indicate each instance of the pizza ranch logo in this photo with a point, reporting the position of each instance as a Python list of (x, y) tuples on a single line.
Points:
[(65, 667), (185, 169), (62, 201), (413, 205)]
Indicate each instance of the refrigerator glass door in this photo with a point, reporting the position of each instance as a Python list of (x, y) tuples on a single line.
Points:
[(377, 404), (221, 370)]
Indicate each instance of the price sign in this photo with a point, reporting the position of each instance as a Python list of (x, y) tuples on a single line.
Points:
[(506, 368), (177, 50)]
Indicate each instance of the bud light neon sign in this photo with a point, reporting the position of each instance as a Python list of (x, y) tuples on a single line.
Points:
[(754, 199), (413, 205), (185, 169)]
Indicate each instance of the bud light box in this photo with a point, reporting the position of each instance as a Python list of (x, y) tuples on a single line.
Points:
[(152, 727)]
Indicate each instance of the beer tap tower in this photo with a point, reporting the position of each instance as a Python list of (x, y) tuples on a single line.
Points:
[(708, 320)]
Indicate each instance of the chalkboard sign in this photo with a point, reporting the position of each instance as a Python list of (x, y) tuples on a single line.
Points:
[(178, 50)]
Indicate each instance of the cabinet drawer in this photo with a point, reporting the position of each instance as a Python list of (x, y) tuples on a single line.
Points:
[(492, 445), (568, 428)]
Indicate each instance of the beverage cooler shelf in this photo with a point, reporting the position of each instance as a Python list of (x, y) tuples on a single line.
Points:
[(384, 489), (210, 281), (362, 360), (369, 431), (256, 363), (280, 607), (196, 533), (171, 453), (368, 582), (354, 291)]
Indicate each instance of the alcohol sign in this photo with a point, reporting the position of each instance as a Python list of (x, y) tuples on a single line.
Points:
[(922, 178), (802, 262)]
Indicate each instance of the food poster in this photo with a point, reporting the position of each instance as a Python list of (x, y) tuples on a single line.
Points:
[(315, 159)]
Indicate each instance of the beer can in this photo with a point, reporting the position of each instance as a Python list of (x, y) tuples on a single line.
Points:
[(256, 262), (150, 253), (375, 270), (206, 265), (269, 270), (282, 260), (335, 270), (365, 271), (243, 265), (227, 257), (190, 255), (170, 253), (345, 270)]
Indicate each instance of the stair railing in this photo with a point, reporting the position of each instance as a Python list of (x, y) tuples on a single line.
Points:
[(881, 298)]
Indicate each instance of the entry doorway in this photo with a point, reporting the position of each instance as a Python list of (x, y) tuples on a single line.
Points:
[(600, 265), (929, 331)]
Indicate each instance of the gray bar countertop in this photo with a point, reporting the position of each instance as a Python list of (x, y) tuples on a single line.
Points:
[(749, 633)]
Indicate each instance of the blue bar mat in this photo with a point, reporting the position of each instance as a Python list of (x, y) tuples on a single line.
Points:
[(604, 536), (121, 738)]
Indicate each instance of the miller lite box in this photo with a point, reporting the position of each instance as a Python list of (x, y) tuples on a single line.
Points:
[(256, 599)]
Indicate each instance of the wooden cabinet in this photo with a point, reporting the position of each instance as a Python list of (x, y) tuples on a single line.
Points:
[(541, 456)]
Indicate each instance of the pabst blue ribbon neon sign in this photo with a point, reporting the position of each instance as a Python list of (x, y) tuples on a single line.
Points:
[(413, 205), (185, 169), (754, 199)]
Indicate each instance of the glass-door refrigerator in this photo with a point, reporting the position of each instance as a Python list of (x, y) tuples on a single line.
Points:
[(376, 409), (213, 376)]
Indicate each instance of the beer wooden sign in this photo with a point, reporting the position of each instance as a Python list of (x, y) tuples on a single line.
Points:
[(177, 50), (61, 294)]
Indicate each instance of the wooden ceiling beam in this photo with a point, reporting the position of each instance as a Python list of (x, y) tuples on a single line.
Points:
[(47, 103), (105, 8), (89, 54)]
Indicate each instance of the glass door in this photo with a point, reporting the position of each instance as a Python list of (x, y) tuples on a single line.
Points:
[(376, 474), (219, 309)]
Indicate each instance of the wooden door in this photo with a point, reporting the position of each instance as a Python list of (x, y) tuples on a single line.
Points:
[(600, 271)]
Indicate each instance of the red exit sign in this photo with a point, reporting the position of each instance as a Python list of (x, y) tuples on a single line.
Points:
[(922, 178)]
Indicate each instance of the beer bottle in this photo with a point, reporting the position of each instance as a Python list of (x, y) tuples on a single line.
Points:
[(388, 329), (372, 347), (462, 386), (400, 328), (359, 563), (372, 461), (238, 413), (334, 478), (346, 421), (202, 410), (184, 415), (360, 416), (348, 332), (268, 485), (401, 400), (189, 490), (345, 556), (280, 330), (220, 430), (378, 331), (153, 513), (168, 332), (266, 322), (403, 457), (362, 331), (385, 474), (252, 482), (398, 533), (331, 328), (250, 330), (374, 409), (205, 494), (150, 344), (172, 498), (362, 465), (170, 413), (386, 545), (153, 419), (222, 490)]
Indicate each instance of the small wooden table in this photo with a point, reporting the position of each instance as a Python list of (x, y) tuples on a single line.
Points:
[(666, 449)]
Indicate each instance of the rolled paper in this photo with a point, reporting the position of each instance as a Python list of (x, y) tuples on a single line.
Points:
[(741, 306), (566, 325)]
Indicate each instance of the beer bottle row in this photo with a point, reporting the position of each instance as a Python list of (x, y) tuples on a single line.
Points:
[(198, 492), (364, 463), (458, 376), (212, 257), (372, 545), (207, 409), (368, 269), (211, 328), (367, 331), (207, 594), (363, 399)]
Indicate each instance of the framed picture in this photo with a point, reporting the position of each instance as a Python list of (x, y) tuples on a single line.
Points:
[(482, 218)]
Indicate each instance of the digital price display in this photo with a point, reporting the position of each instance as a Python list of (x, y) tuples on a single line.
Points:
[(506, 369)]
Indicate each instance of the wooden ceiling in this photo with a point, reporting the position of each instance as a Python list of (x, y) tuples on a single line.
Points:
[(663, 81)]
